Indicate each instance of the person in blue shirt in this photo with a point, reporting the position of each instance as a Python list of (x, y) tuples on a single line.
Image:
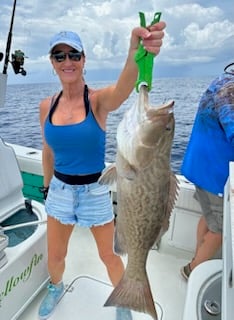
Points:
[(206, 163), (73, 125)]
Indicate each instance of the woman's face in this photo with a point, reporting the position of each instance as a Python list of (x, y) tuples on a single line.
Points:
[(68, 63)]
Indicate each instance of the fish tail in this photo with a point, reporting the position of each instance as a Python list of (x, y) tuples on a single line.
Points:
[(132, 294)]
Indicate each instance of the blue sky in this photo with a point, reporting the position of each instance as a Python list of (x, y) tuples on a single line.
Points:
[(199, 38)]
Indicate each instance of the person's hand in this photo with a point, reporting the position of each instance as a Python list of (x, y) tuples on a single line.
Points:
[(45, 191), (151, 37)]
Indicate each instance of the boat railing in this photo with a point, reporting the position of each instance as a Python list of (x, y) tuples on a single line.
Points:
[(228, 247)]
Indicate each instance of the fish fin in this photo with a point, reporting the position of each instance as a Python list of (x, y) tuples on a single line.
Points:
[(109, 175), (173, 194), (125, 169), (173, 191), (129, 172), (135, 295)]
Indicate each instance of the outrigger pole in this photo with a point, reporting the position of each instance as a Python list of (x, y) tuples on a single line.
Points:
[(8, 46)]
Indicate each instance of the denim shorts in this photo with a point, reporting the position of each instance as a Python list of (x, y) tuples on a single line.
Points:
[(212, 209), (85, 205)]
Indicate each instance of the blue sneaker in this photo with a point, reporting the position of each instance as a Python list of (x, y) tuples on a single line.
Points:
[(50, 301), (123, 314)]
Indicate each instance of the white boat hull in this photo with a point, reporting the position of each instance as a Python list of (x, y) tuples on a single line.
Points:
[(24, 272)]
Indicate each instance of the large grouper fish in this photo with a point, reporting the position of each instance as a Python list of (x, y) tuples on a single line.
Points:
[(146, 193)]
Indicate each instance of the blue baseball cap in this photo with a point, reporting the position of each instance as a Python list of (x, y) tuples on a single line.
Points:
[(67, 37)]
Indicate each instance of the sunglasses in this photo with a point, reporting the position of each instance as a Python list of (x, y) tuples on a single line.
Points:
[(61, 56)]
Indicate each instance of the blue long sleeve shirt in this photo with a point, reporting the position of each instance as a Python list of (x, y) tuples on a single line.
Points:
[(211, 144)]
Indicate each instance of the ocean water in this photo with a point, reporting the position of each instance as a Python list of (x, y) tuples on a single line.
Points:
[(19, 118)]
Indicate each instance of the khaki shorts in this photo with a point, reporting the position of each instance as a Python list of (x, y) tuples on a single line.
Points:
[(212, 209)]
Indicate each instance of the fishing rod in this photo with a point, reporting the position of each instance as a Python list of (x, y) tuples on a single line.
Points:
[(18, 57), (8, 46), (17, 61)]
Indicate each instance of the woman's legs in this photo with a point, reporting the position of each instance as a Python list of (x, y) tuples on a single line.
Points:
[(58, 235), (104, 237)]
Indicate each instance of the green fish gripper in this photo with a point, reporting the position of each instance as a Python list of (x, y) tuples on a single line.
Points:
[(145, 59)]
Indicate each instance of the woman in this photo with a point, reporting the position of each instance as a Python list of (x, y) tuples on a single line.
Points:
[(73, 124)]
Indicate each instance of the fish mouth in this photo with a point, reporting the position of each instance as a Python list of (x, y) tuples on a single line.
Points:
[(144, 100), (164, 111), (167, 107)]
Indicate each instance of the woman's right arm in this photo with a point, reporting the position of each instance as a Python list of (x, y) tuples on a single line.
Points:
[(47, 154)]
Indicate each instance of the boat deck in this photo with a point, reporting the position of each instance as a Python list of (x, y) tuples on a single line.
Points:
[(83, 264)]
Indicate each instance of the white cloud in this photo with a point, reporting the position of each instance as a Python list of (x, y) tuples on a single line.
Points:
[(194, 11), (210, 37), (201, 32)]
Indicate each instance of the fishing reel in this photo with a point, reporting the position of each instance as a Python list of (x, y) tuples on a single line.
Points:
[(17, 61)]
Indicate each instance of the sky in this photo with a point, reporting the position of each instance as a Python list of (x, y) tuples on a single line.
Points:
[(199, 37)]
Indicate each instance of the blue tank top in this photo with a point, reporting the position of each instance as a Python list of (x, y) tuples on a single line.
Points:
[(78, 148)]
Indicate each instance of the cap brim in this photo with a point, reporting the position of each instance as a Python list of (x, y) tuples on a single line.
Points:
[(71, 44)]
